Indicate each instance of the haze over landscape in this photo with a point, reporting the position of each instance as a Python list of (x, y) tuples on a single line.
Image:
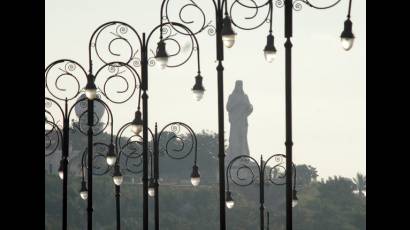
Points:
[(329, 84)]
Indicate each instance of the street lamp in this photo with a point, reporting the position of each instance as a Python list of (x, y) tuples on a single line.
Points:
[(228, 35), (117, 176), (84, 190), (229, 200), (198, 88), (161, 56), (176, 144), (61, 170), (270, 50), (53, 75), (84, 107), (129, 155), (243, 170), (137, 124), (90, 88), (140, 45), (111, 156), (224, 35), (347, 36), (195, 177)]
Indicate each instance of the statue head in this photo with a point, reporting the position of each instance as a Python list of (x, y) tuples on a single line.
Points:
[(238, 87)]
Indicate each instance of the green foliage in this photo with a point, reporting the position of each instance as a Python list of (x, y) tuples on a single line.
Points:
[(324, 205)]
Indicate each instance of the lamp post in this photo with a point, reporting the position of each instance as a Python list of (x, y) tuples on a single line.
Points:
[(247, 170), (128, 154), (71, 69), (114, 62), (225, 35), (56, 76), (140, 44), (178, 145)]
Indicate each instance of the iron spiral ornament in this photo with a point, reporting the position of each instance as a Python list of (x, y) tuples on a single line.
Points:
[(129, 150), (180, 46), (118, 42), (185, 14), (257, 16), (62, 73), (117, 82), (52, 138), (53, 134), (100, 167), (177, 140), (245, 170), (101, 122), (115, 42)]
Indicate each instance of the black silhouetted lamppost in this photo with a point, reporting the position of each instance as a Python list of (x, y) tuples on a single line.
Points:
[(115, 63), (125, 33), (57, 74), (61, 136), (225, 35), (178, 145), (245, 170)]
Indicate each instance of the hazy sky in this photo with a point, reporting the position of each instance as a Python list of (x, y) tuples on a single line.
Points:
[(329, 84)]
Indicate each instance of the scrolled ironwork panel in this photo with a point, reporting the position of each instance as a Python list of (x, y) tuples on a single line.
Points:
[(116, 42), (177, 140), (118, 81), (62, 73), (243, 170), (189, 13)]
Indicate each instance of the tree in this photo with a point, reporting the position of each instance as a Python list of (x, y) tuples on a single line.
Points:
[(360, 182)]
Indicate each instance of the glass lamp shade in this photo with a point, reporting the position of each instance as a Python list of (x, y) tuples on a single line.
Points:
[(230, 204), (347, 36), (151, 192), (195, 181), (60, 170), (91, 94), (83, 191), (195, 177), (117, 177), (162, 61), (198, 94), (111, 157), (161, 55), (117, 180), (151, 188), (229, 201), (111, 160), (294, 203), (198, 88), (270, 50), (61, 174), (270, 55), (294, 199), (229, 40), (84, 195), (347, 43), (228, 35), (137, 124), (137, 129)]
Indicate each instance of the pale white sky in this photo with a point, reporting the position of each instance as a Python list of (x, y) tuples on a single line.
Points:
[(329, 84)]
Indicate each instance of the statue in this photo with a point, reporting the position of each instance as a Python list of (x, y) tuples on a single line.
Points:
[(239, 108)]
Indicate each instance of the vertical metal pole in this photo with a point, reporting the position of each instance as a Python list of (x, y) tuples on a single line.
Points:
[(156, 177), (90, 134), (288, 92), (221, 131), (65, 150), (144, 76), (262, 194), (118, 208)]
